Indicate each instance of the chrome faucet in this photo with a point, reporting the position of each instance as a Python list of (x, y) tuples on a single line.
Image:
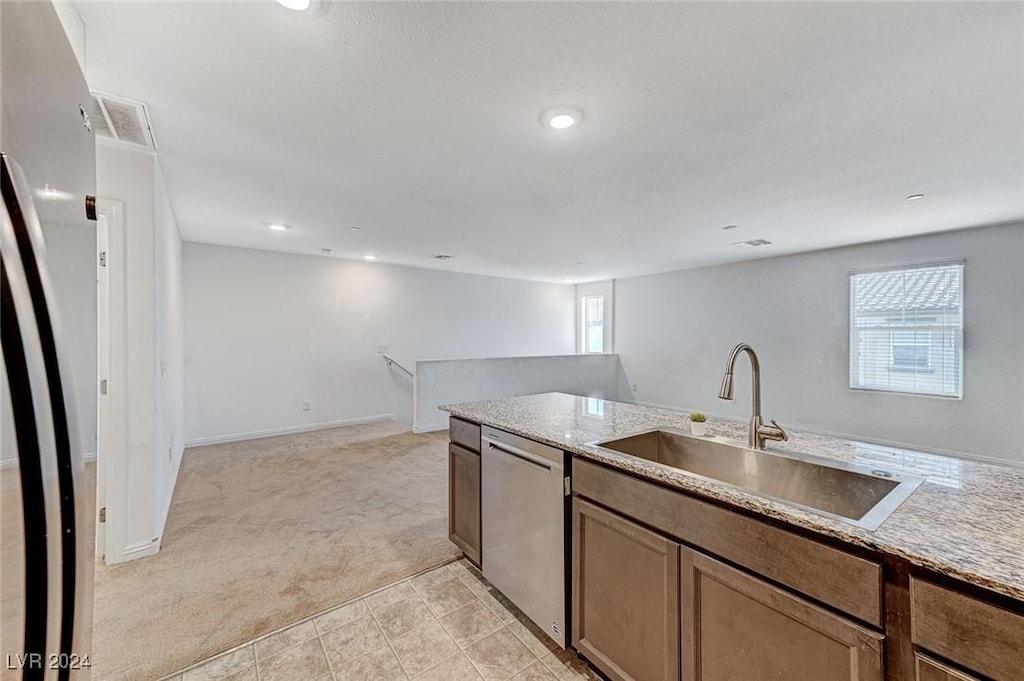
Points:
[(759, 432)]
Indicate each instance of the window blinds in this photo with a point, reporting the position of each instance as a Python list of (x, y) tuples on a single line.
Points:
[(906, 330)]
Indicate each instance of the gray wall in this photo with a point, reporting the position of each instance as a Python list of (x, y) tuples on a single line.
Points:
[(673, 333)]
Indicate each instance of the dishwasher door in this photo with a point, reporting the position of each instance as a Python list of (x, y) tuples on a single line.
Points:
[(523, 502)]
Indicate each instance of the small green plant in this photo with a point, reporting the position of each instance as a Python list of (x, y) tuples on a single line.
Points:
[(698, 417)]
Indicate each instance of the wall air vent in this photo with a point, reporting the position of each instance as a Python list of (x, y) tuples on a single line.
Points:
[(752, 243), (121, 119)]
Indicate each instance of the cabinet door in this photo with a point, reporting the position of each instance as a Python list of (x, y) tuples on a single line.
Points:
[(737, 627), (625, 596), (930, 670), (464, 500)]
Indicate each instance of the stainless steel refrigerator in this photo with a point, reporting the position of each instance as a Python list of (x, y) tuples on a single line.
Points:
[(48, 174)]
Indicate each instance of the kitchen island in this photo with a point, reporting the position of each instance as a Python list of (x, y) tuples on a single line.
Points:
[(950, 557)]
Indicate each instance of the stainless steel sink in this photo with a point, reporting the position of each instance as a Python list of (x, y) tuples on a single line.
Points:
[(858, 495)]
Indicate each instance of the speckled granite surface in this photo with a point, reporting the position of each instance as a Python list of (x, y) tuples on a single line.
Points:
[(966, 520)]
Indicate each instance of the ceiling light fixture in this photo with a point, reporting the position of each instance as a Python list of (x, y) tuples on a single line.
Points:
[(561, 117), (369, 257), (915, 197), (562, 121), (353, 229), (295, 5), (278, 227)]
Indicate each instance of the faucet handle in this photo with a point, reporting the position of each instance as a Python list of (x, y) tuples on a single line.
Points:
[(774, 432)]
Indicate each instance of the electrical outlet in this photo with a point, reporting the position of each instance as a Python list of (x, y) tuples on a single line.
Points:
[(305, 405)]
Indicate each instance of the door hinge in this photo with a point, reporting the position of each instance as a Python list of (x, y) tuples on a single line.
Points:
[(103, 514), (103, 258), (103, 387), (566, 486)]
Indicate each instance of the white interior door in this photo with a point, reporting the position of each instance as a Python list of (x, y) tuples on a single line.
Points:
[(111, 400), (102, 372)]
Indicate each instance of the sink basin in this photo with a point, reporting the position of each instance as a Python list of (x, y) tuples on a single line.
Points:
[(858, 495)]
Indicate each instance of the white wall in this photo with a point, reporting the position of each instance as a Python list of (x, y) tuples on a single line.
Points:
[(674, 332), (266, 331), (153, 320), (170, 352), (467, 380)]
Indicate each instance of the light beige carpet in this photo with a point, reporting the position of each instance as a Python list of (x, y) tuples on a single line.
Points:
[(266, 532)]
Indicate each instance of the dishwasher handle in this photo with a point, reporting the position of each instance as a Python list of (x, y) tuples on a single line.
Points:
[(522, 454)]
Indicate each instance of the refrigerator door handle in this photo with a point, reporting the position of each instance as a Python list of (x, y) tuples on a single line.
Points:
[(58, 566)]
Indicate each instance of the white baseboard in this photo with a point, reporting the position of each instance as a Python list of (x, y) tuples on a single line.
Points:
[(286, 430), (430, 429), (11, 463)]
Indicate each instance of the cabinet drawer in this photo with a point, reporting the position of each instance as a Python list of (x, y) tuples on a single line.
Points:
[(844, 581), (930, 670), (965, 630), (464, 433)]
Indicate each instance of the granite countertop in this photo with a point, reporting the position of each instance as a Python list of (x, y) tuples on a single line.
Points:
[(965, 521)]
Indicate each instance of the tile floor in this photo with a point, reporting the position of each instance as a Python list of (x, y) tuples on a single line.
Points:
[(446, 624)]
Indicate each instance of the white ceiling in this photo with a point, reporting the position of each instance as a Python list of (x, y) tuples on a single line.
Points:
[(806, 124)]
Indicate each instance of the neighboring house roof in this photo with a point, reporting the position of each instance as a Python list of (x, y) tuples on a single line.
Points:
[(926, 288)]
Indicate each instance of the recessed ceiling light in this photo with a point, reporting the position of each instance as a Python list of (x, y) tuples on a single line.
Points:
[(729, 228), (561, 117), (353, 229), (562, 121), (915, 197), (295, 5), (278, 227), (369, 256)]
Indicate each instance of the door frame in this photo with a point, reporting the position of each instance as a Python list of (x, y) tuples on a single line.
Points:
[(111, 402)]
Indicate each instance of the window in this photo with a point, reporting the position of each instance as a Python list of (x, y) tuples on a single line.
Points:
[(906, 330), (593, 324)]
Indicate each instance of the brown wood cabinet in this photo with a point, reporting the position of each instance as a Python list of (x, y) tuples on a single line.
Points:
[(625, 596), (464, 500), (970, 632), (736, 626), (930, 670)]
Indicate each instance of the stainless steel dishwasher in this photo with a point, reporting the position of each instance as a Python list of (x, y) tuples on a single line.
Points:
[(523, 494)]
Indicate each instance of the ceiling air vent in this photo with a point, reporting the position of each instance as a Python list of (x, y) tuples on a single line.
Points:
[(121, 119), (753, 243)]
